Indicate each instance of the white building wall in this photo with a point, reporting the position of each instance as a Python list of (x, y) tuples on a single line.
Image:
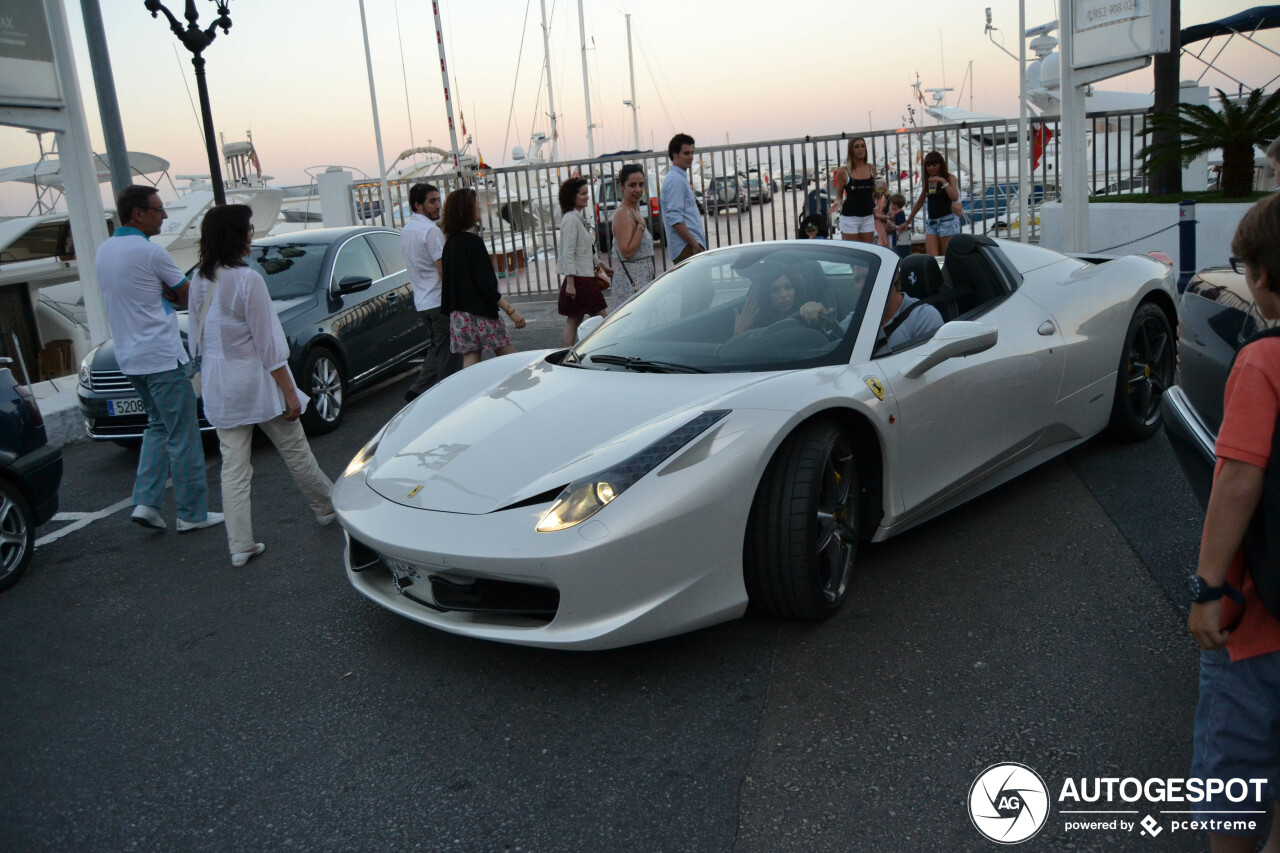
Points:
[(1113, 224)]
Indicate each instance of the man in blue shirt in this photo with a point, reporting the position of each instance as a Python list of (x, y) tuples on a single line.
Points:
[(680, 216)]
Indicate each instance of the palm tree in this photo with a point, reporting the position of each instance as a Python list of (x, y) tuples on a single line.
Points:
[(1237, 129)]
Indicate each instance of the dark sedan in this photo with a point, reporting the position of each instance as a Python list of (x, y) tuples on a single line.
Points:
[(344, 298), (30, 471), (1216, 316)]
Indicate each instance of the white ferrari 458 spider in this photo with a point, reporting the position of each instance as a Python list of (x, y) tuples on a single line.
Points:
[(727, 437)]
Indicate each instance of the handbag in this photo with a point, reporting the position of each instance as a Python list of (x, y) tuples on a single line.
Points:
[(193, 366), (602, 279)]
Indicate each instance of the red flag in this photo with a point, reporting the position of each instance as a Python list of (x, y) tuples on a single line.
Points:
[(463, 117), (1039, 140)]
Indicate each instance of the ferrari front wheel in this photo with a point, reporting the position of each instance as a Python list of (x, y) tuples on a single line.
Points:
[(802, 532), (1145, 372)]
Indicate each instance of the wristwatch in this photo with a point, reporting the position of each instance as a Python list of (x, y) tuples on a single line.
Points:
[(1202, 592)]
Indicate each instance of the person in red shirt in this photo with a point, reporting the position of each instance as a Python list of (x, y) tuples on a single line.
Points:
[(1237, 726)]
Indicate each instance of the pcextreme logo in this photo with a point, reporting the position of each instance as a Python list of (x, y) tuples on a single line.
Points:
[(1008, 803)]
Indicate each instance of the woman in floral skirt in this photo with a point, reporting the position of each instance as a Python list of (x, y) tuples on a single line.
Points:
[(469, 291)]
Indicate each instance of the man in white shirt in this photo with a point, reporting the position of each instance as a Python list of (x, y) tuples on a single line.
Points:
[(423, 245), (140, 286)]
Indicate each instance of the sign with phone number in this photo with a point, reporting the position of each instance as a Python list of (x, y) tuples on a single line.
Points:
[(1091, 14)]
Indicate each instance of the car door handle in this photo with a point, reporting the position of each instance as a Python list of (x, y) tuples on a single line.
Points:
[(1047, 328), (392, 295)]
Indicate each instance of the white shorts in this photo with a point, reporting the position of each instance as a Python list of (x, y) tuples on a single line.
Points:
[(858, 224)]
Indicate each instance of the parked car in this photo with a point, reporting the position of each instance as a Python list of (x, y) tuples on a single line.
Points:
[(344, 299), (30, 471), (1216, 315), (714, 467), (795, 180), (758, 187), (727, 191)]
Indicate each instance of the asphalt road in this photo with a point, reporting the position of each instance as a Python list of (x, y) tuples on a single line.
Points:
[(154, 698)]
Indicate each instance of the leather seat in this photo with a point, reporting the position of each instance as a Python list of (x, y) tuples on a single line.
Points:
[(969, 273)]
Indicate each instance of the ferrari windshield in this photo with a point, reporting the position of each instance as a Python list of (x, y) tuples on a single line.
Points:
[(757, 307)]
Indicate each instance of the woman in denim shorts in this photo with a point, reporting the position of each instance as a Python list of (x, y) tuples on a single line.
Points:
[(941, 190)]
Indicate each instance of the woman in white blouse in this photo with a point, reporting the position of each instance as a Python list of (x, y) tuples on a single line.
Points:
[(577, 260), (245, 375)]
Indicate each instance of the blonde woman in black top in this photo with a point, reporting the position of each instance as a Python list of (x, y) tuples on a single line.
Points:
[(856, 185), (469, 291)]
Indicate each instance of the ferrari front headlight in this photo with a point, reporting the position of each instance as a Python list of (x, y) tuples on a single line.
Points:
[(583, 498), (361, 459)]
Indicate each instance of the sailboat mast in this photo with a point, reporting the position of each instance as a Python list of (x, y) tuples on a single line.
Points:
[(377, 128), (551, 101), (586, 84), (448, 101), (631, 65)]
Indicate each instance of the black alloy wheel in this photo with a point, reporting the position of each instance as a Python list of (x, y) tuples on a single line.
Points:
[(325, 383), (1144, 374), (17, 535), (802, 534)]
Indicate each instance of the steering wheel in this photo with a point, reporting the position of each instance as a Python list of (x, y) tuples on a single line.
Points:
[(825, 323)]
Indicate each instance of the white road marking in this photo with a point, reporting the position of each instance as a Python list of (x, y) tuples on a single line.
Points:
[(86, 519), (81, 520)]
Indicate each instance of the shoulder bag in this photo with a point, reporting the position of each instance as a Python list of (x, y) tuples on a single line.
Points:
[(197, 355)]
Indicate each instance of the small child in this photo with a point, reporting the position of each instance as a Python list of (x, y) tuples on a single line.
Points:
[(898, 224), (879, 200)]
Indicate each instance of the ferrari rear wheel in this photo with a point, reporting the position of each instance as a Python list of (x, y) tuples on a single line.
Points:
[(1145, 373), (802, 533)]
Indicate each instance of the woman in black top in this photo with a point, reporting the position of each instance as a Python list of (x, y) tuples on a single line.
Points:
[(469, 290), (856, 182), (941, 189)]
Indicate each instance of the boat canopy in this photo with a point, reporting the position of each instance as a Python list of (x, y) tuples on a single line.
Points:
[(47, 172), (1241, 23)]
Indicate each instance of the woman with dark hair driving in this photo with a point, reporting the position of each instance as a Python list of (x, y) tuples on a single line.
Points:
[(244, 375)]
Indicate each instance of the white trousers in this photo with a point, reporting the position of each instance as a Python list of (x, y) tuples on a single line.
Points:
[(237, 474)]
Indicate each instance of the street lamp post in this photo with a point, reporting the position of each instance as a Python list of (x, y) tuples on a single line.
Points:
[(196, 40)]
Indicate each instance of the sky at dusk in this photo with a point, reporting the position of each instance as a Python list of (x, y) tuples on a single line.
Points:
[(293, 72)]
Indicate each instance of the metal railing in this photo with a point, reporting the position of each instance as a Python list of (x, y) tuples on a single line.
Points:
[(521, 214)]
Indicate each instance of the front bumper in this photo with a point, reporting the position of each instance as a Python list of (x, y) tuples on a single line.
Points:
[(101, 425), (1191, 440), (664, 558)]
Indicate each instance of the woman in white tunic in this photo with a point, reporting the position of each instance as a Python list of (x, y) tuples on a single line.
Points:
[(245, 375)]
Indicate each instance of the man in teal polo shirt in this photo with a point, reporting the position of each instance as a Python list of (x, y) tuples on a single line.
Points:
[(140, 286)]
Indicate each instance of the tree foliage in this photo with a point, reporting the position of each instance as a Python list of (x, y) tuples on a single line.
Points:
[(1235, 129)]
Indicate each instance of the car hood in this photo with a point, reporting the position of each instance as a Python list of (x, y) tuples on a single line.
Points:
[(511, 429)]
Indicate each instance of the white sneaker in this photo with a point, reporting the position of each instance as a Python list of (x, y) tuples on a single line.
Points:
[(210, 519), (245, 556), (149, 516)]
